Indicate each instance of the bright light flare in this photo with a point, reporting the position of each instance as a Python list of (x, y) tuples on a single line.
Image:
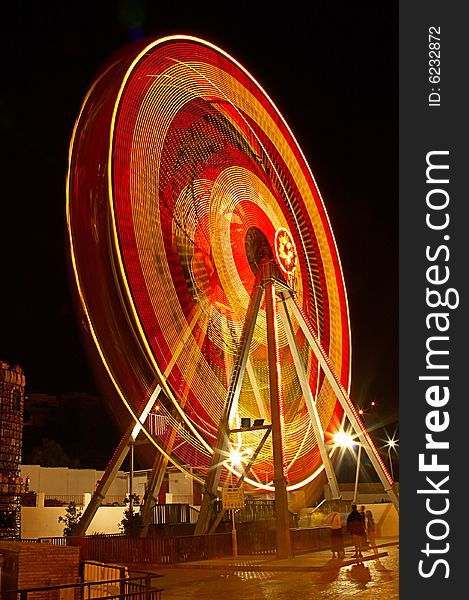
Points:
[(392, 443), (235, 457), (344, 440)]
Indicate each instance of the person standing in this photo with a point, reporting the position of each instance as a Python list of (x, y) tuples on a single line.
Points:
[(371, 530), (365, 543), (356, 528), (334, 520)]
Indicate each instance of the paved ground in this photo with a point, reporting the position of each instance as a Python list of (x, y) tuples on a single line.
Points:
[(308, 577)]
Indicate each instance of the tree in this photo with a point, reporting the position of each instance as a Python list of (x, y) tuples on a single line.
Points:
[(132, 522), (51, 454), (71, 519)]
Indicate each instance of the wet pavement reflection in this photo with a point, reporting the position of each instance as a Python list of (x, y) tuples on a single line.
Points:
[(373, 580)]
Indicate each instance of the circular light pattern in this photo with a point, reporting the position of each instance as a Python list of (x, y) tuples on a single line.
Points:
[(183, 178), (285, 251)]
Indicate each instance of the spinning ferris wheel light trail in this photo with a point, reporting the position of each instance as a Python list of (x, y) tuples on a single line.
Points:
[(208, 273)]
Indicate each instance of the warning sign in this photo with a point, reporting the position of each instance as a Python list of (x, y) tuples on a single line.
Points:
[(232, 498)]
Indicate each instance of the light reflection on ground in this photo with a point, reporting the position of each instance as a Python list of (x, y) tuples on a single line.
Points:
[(373, 580)]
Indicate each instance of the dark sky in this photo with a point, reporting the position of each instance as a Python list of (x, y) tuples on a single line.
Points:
[(331, 68)]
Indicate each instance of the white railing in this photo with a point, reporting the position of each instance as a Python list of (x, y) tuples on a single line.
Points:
[(63, 499), (79, 499), (114, 500)]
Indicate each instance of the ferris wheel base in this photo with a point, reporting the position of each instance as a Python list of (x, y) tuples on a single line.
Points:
[(276, 290)]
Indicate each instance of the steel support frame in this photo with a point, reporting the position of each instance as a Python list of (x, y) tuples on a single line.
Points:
[(219, 453), (309, 400), (154, 484), (343, 398), (282, 514), (113, 467), (151, 493), (130, 436), (246, 470), (265, 281), (105, 483)]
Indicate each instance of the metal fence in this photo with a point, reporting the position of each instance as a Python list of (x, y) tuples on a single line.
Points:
[(63, 499), (114, 500), (98, 571), (127, 588), (312, 539), (253, 510), (172, 514), (161, 550), (257, 538), (56, 541)]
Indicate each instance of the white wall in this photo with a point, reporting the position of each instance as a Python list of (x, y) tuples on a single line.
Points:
[(139, 485), (385, 517), (44, 521), (64, 481), (180, 488)]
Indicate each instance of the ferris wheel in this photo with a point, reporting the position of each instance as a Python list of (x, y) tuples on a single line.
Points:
[(208, 275)]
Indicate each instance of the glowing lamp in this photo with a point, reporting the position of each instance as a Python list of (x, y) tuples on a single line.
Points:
[(344, 440)]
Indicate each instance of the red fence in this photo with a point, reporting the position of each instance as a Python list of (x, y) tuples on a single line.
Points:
[(164, 550), (311, 539), (257, 537), (253, 539)]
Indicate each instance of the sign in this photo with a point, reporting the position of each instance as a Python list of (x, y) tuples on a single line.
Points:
[(232, 498)]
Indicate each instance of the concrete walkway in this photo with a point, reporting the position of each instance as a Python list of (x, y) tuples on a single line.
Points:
[(269, 578), (313, 561)]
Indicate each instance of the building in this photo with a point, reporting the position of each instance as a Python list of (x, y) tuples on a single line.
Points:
[(12, 382)]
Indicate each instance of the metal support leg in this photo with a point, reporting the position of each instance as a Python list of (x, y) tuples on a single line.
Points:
[(345, 401), (151, 494), (309, 401), (114, 466), (131, 477), (104, 484), (281, 497), (246, 470), (357, 474), (153, 487), (131, 435), (213, 476)]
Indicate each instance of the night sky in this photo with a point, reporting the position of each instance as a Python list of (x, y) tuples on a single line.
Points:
[(331, 70)]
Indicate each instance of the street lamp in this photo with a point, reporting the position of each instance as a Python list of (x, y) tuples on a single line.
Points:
[(235, 457), (357, 473), (345, 440), (391, 445)]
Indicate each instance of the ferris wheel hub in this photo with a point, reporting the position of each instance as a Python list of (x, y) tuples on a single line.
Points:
[(285, 251), (258, 248)]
